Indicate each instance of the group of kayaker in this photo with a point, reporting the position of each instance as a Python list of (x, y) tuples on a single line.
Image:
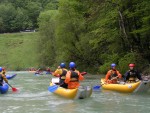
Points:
[(113, 75), (2, 76), (68, 78)]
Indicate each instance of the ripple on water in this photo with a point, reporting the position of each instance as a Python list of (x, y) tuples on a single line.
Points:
[(33, 97)]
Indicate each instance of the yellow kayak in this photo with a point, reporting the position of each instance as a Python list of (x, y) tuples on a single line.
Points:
[(140, 86), (78, 93)]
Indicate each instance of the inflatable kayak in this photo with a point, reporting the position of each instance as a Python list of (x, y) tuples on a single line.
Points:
[(78, 93), (4, 88), (140, 86), (10, 76), (38, 74)]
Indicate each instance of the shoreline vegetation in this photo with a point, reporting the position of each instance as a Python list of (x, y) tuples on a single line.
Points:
[(93, 34), (20, 52)]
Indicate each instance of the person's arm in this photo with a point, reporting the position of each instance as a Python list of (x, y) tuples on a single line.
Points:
[(107, 76), (119, 75), (67, 80), (126, 76), (80, 76), (57, 73), (139, 76)]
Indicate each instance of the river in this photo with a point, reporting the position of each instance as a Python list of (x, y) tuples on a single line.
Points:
[(33, 97)]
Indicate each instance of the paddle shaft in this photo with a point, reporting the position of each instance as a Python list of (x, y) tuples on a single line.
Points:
[(110, 80), (9, 85), (106, 82)]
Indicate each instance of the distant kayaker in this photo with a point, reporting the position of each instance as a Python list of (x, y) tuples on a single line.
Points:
[(39, 71), (61, 72), (112, 75), (2, 77), (48, 69), (131, 75), (73, 77)]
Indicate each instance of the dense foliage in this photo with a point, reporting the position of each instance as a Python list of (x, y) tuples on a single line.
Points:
[(20, 15), (92, 33), (96, 33)]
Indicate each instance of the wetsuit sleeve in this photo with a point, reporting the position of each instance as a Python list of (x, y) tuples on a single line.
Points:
[(80, 76), (57, 72), (126, 76), (119, 75), (5, 79), (139, 76), (67, 80), (107, 75)]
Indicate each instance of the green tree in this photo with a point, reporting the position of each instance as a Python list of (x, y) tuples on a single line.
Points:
[(97, 33), (47, 42), (7, 14)]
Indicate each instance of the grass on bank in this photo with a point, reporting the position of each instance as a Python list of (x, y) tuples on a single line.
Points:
[(19, 50)]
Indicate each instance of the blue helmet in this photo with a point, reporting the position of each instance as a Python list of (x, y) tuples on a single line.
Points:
[(62, 65), (72, 65), (113, 65), (1, 69)]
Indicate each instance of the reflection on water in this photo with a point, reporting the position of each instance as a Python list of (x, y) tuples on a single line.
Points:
[(33, 97)]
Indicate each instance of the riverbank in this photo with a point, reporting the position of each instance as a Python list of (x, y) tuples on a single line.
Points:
[(19, 50)]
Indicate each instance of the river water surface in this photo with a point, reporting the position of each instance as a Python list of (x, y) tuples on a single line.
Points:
[(33, 97)]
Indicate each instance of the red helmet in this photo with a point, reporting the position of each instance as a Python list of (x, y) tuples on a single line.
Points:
[(3, 68), (131, 65)]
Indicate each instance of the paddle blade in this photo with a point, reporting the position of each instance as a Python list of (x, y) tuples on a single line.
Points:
[(52, 88), (14, 89), (96, 88), (83, 73)]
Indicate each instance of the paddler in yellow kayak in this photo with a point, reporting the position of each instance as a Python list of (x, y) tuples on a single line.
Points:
[(132, 75), (61, 72), (112, 75), (73, 77)]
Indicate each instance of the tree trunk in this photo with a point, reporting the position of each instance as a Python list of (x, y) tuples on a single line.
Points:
[(123, 29)]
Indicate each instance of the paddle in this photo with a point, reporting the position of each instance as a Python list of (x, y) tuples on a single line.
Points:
[(13, 88), (99, 86), (53, 88), (83, 73)]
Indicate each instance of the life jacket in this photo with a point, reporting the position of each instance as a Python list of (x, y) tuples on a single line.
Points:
[(63, 75), (74, 76), (1, 80), (132, 75), (4, 72), (113, 74)]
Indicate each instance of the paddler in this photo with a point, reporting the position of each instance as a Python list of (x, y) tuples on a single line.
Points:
[(132, 75), (61, 72), (112, 75), (73, 76), (2, 77)]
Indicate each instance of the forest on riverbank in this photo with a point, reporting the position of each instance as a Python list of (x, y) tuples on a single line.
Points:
[(92, 33)]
